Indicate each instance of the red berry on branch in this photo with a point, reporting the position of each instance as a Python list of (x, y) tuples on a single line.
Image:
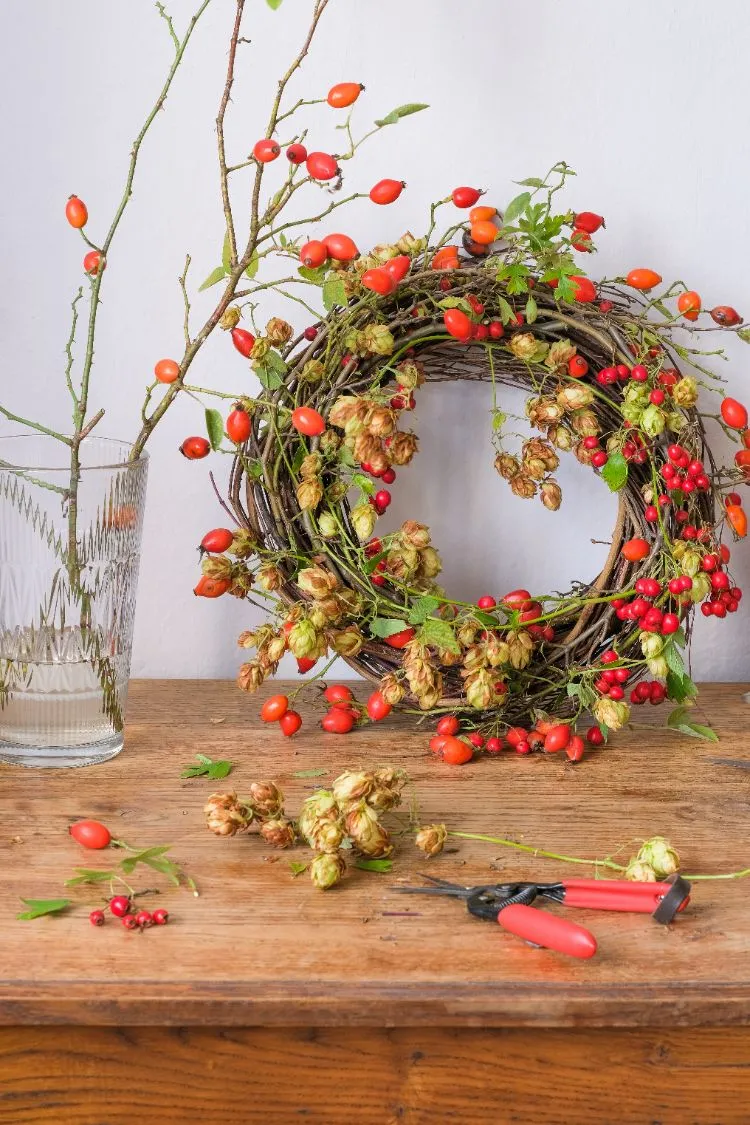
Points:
[(577, 367), (581, 241), (273, 708), (167, 370), (377, 707), (635, 549), (344, 94), (341, 247), (466, 197), (643, 279), (218, 541), (296, 154), (689, 304), (243, 341), (398, 267), (456, 752), (93, 262), (338, 721), (585, 291), (486, 602), (386, 191), (311, 333), (494, 745), (725, 316), (388, 477), (308, 421), (96, 918), (144, 918), (129, 922), (483, 232), (588, 221), (639, 373), (378, 281), (238, 426), (76, 212), (575, 748), (195, 448), (207, 587), (161, 917), (657, 396), (497, 330), (305, 664), (599, 459), (313, 254), (458, 324), (400, 639), (322, 166), (265, 150), (119, 905), (734, 413)]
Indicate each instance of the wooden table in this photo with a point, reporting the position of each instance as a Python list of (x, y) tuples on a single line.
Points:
[(266, 1001)]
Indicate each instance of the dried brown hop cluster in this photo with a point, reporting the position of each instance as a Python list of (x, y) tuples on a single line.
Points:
[(333, 822)]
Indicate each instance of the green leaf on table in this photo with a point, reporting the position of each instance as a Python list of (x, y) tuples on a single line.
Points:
[(532, 310), (423, 608), (297, 868), (680, 720), (38, 907), (516, 207), (213, 770), (615, 472), (252, 267), (226, 254), (213, 278), (402, 111), (386, 626), (214, 427), (439, 634), (382, 865), (317, 772), (85, 875), (334, 293), (317, 277)]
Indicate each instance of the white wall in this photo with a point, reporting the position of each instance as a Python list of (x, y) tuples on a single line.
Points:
[(648, 101)]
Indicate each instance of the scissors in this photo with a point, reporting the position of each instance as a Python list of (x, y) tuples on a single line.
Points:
[(510, 905)]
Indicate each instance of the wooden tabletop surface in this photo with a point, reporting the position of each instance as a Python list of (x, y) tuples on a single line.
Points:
[(259, 947)]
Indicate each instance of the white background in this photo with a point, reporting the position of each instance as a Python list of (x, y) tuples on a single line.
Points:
[(648, 101)]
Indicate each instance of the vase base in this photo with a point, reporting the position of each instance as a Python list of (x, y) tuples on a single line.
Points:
[(60, 757)]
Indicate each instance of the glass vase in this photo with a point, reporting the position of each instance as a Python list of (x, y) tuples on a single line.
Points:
[(70, 534)]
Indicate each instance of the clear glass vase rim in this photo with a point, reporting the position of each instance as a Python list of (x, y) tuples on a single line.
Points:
[(88, 445)]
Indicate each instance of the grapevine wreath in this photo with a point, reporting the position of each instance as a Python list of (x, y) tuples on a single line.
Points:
[(611, 378)]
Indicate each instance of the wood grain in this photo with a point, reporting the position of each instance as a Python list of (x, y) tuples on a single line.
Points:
[(91, 1076), (260, 948)]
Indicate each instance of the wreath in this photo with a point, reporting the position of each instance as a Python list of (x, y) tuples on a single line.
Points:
[(611, 378)]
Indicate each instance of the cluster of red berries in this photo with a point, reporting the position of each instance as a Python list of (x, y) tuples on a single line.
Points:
[(528, 610), (611, 681), (343, 714), (692, 478), (648, 691), (650, 618), (276, 710), (724, 598), (462, 327), (121, 907), (547, 736)]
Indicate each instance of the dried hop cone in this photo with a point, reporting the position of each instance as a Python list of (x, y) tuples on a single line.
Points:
[(352, 786), (402, 448), (611, 713), (226, 815), (639, 872), (266, 799), (507, 465), (309, 494), (659, 854), (523, 486), (391, 689), (431, 838), (278, 331), (386, 791), (368, 835), (363, 520), (250, 676), (327, 870), (270, 578), (524, 345), (278, 833), (316, 581), (685, 393), (551, 495), (230, 318), (312, 372)]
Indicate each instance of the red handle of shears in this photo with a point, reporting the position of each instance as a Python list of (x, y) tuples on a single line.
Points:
[(547, 930), (612, 894)]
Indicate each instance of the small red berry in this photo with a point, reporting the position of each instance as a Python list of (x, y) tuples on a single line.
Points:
[(218, 541), (161, 917), (639, 373), (486, 602), (311, 332), (296, 154), (93, 262), (96, 918), (129, 921), (465, 196), (195, 448), (382, 499), (119, 905), (594, 736), (243, 341), (238, 426), (144, 918), (265, 150), (494, 745), (290, 722)]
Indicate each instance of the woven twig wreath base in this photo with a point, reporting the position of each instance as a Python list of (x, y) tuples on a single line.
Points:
[(274, 516)]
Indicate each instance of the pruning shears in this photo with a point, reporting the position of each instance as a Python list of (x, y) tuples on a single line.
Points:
[(510, 905)]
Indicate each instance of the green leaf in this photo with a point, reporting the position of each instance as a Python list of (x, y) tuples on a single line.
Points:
[(674, 659), (386, 626), (744, 334), (516, 207), (484, 618), (268, 371), (423, 608), (334, 293), (213, 278), (317, 277), (214, 427), (254, 262), (680, 688), (297, 868), (507, 312), (532, 310), (402, 111), (532, 181), (41, 906), (382, 865), (498, 420), (214, 770), (456, 303), (615, 472), (679, 720), (274, 5), (226, 254), (439, 634), (86, 876), (318, 772), (359, 480)]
